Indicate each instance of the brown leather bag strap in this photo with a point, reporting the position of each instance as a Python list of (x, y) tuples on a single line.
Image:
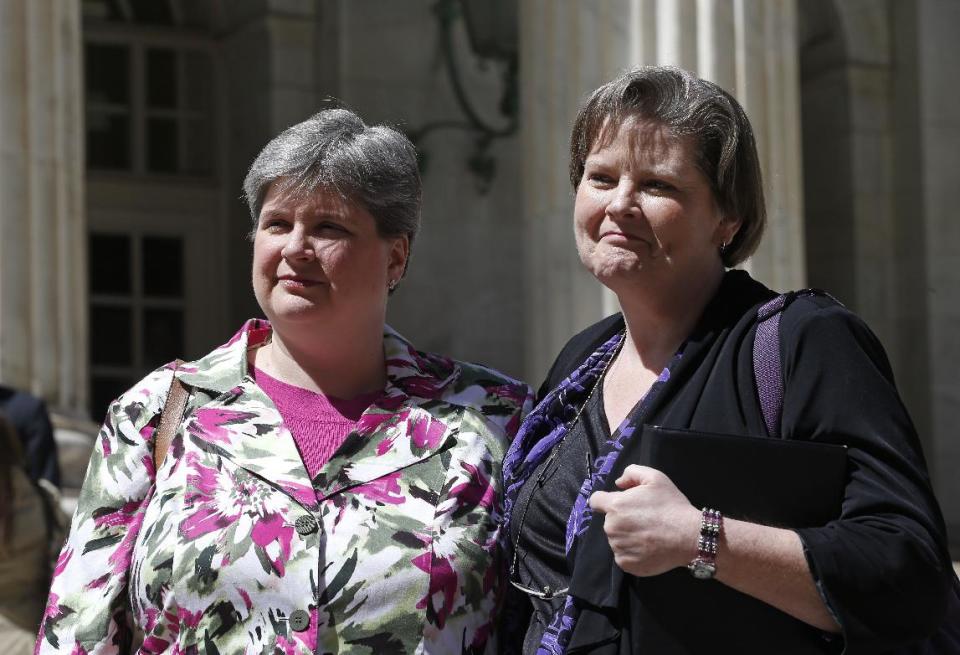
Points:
[(170, 417)]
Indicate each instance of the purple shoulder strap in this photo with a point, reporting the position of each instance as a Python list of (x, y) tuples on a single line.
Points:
[(766, 363), (767, 369)]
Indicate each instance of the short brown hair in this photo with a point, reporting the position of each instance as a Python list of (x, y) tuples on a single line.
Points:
[(688, 106)]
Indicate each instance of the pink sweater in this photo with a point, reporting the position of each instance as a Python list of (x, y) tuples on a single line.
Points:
[(319, 424)]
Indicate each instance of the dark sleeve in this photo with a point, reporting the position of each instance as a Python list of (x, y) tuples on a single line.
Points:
[(39, 446), (881, 567)]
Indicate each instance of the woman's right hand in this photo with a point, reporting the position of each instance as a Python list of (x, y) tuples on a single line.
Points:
[(652, 528), (650, 525)]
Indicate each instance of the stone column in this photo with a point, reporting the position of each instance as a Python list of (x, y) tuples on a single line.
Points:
[(43, 319), (768, 86), (939, 104), (568, 49)]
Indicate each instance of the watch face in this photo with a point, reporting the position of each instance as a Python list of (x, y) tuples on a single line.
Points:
[(702, 570)]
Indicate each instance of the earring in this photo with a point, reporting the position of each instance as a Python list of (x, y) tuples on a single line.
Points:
[(723, 247), (391, 285)]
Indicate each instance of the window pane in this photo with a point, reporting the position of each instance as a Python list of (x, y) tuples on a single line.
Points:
[(161, 78), (198, 145), (103, 391), (106, 10), (108, 141), (163, 267), (196, 14), (198, 80), (154, 12), (107, 71), (162, 145), (111, 336), (109, 262), (162, 336)]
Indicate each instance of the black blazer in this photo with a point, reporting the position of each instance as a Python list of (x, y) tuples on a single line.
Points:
[(881, 566)]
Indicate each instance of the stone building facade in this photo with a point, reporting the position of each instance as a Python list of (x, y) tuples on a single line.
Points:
[(126, 127)]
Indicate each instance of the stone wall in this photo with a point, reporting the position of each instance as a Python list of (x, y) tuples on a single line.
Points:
[(463, 294)]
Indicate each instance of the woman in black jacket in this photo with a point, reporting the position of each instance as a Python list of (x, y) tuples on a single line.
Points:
[(668, 197)]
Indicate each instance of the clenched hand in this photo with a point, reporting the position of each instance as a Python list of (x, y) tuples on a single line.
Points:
[(650, 524)]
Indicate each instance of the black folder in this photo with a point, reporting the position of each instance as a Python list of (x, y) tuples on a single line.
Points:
[(777, 482)]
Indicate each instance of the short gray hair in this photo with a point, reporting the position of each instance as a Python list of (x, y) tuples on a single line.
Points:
[(334, 149), (688, 106)]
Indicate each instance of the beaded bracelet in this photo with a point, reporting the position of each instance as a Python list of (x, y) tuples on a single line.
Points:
[(704, 565)]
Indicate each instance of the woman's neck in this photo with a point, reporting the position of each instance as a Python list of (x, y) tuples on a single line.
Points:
[(346, 367), (659, 323)]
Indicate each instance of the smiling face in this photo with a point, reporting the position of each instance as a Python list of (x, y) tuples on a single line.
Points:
[(318, 258), (645, 213)]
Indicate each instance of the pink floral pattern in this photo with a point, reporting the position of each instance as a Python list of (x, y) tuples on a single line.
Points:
[(230, 545)]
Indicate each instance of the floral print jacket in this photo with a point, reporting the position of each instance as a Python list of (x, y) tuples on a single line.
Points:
[(231, 548)]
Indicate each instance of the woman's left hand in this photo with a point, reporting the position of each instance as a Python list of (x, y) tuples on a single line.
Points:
[(651, 526)]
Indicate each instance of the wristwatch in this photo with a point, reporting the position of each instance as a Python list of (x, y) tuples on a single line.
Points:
[(704, 565)]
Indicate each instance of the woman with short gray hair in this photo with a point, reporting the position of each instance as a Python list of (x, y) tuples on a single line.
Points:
[(673, 402), (328, 487), (334, 150)]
